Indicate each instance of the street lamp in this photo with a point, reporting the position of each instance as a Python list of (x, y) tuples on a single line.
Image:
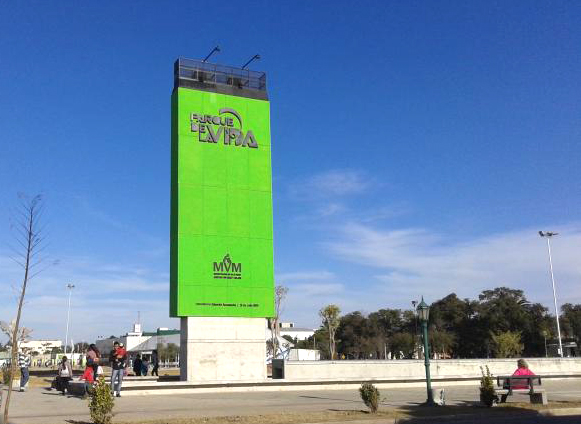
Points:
[(70, 287), (414, 303), (424, 314), (544, 333), (548, 235)]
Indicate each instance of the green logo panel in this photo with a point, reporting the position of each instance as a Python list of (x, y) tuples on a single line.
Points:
[(221, 206)]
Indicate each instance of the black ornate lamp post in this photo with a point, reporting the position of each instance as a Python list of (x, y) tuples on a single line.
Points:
[(424, 314)]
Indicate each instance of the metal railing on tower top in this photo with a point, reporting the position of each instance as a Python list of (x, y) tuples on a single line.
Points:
[(196, 71)]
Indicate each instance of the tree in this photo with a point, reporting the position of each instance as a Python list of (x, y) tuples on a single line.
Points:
[(389, 321), (571, 318), (8, 329), (81, 346), (359, 337), (402, 344), (172, 351), (507, 344), (280, 293), (442, 342), (330, 321), (29, 238), (458, 318)]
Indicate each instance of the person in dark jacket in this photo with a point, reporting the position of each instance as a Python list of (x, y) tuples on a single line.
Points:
[(155, 363), (117, 359), (137, 364)]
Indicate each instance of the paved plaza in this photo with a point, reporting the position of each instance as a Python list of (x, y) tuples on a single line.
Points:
[(39, 405)]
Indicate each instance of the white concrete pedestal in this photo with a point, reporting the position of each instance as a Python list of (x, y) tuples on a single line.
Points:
[(222, 349)]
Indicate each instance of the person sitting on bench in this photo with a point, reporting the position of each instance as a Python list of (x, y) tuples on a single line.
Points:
[(523, 369), (89, 380)]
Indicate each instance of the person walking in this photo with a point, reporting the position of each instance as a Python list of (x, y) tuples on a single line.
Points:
[(24, 364), (144, 366), (155, 363), (93, 357), (65, 374), (117, 359), (137, 365)]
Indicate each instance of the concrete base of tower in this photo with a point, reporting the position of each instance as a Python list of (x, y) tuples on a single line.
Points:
[(222, 349)]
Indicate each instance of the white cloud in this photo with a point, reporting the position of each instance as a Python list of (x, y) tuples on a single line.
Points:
[(105, 299), (304, 275), (319, 289), (334, 183), (413, 262)]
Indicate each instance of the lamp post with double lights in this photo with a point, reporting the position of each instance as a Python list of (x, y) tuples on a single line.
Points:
[(548, 235), (424, 314)]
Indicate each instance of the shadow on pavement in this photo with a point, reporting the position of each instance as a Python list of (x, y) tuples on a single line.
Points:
[(329, 398), (473, 412)]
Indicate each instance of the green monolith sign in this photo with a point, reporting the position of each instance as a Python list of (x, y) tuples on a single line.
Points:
[(221, 206)]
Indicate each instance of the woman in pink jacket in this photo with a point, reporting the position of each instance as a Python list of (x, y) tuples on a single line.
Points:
[(523, 369)]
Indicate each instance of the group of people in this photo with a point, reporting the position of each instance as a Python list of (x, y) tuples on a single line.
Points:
[(118, 361), (141, 365)]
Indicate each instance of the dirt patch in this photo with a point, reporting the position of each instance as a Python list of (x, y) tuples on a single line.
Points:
[(347, 416), (282, 418), (536, 407)]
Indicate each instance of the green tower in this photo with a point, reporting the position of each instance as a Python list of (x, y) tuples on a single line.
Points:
[(221, 193), (221, 252)]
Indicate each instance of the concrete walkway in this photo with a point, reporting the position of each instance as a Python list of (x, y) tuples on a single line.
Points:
[(39, 406)]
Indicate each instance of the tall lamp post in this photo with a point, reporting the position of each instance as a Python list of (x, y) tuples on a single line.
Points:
[(70, 287), (424, 314), (548, 235), (544, 333)]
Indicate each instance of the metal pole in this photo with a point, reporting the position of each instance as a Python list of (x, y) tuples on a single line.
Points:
[(70, 287), (546, 354), (555, 297), (430, 400), (414, 303)]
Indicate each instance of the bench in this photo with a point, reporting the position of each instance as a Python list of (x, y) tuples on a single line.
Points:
[(524, 384), (76, 388)]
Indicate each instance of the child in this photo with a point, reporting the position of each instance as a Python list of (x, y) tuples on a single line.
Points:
[(120, 351), (88, 378), (88, 375)]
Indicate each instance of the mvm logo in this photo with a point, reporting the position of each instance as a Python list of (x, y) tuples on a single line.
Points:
[(227, 269)]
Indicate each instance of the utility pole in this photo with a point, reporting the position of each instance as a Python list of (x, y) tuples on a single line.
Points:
[(70, 287), (548, 235)]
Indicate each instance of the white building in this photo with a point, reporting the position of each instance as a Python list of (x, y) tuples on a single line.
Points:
[(41, 346), (287, 349), (295, 333), (143, 342)]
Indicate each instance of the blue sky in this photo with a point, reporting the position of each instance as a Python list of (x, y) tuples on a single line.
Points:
[(417, 148)]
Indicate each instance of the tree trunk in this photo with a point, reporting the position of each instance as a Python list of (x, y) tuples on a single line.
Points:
[(14, 353)]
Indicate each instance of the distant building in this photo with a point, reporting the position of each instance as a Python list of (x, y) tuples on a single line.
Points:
[(143, 342), (570, 348), (295, 333), (41, 346), (4, 358)]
